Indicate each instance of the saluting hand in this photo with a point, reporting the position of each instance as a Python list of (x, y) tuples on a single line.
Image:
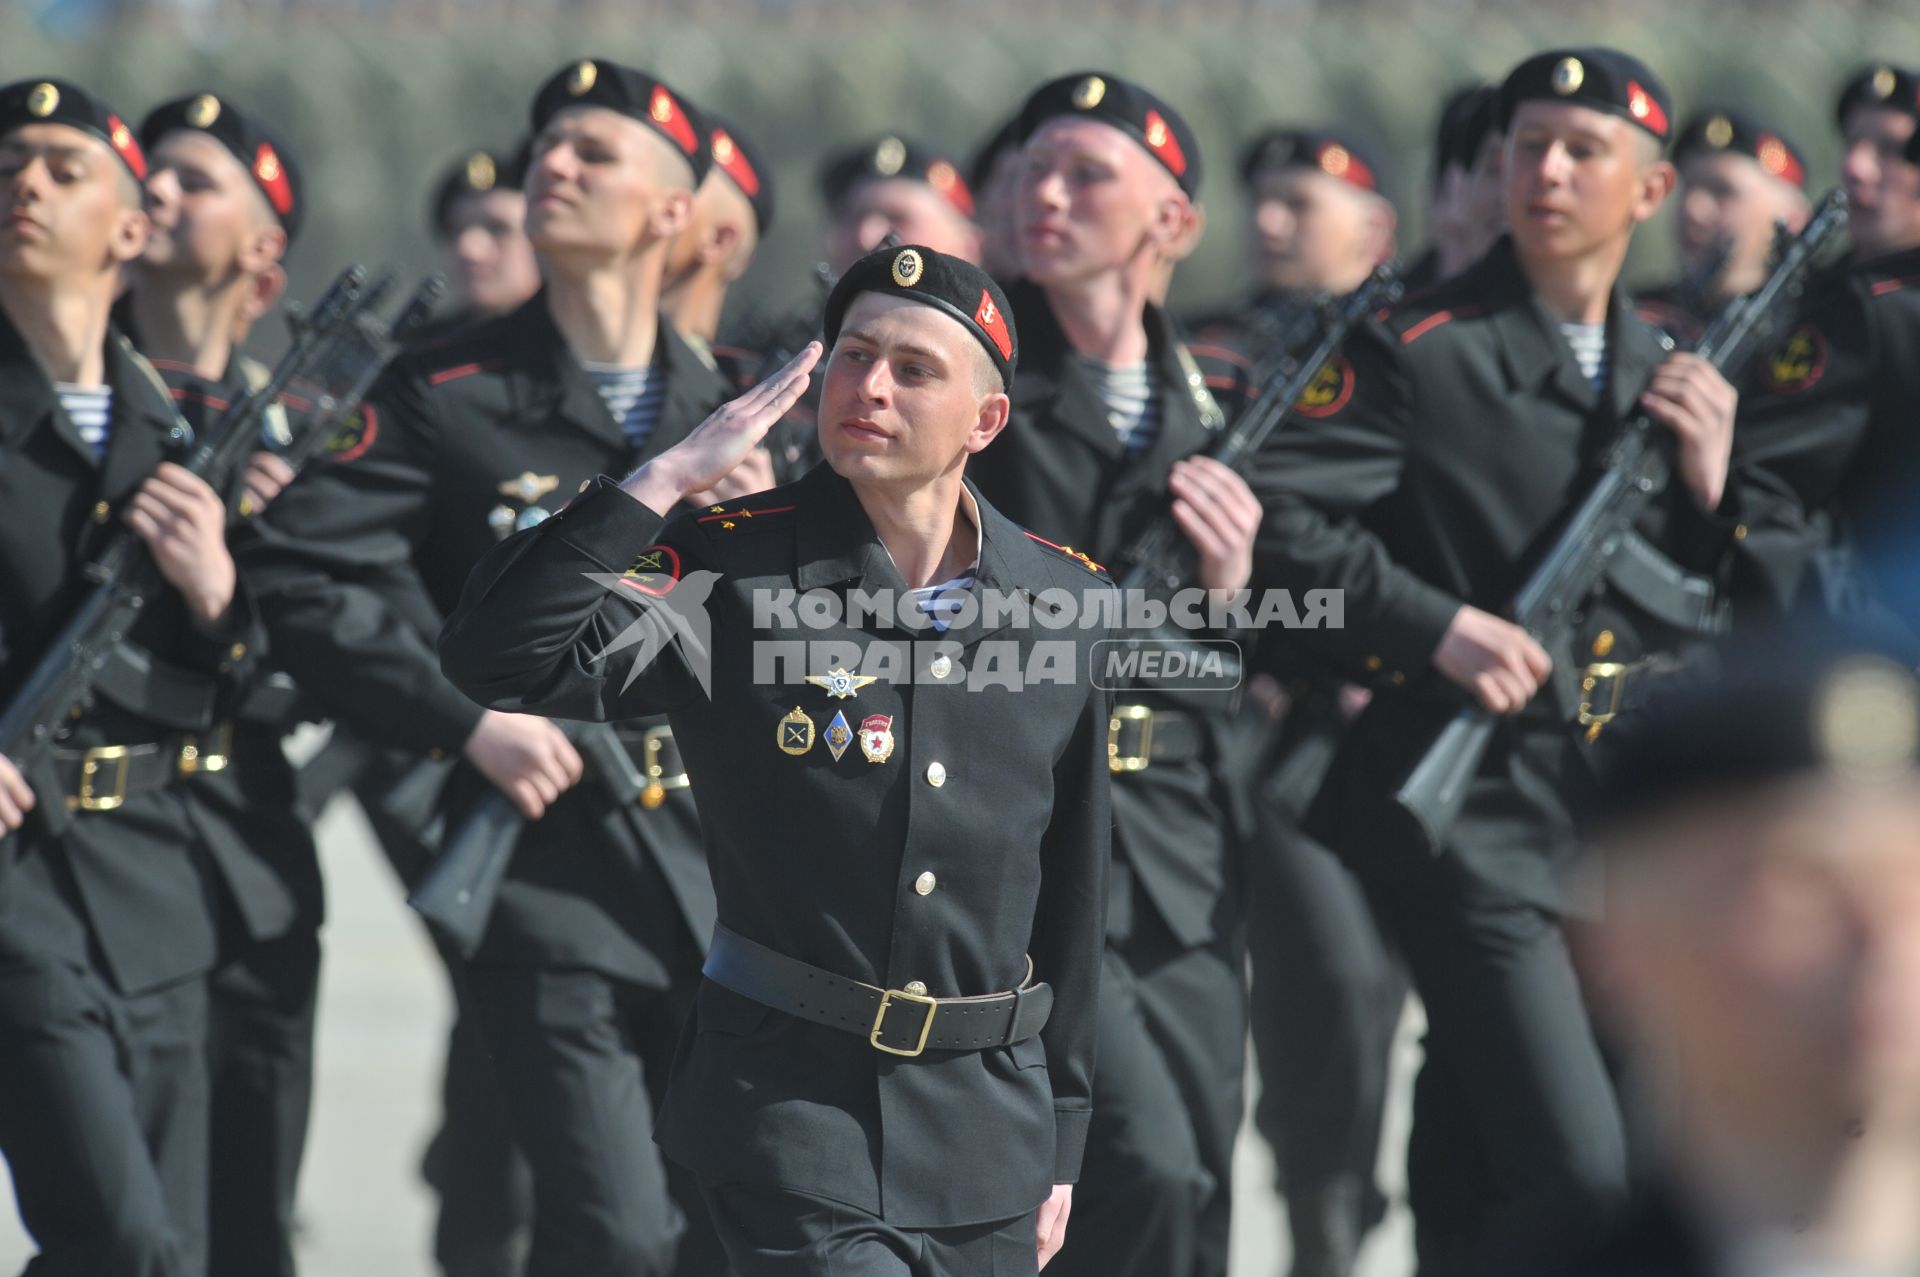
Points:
[(526, 757), (1220, 515), (1053, 1221), (184, 522), (718, 445), (1688, 395), (16, 796), (753, 474), (1496, 660)]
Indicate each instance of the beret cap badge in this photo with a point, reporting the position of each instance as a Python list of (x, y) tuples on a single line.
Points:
[(481, 171), (42, 100), (1720, 132), (1866, 718), (890, 156), (582, 78), (1335, 160), (907, 267), (1568, 76), (1884, 82), (203, 111), (1088, 93)]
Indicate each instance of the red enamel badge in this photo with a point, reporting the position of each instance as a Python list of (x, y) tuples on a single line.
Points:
[(1645, 109), (272, 176), (994, 324), (666, 113), (1162, 142)]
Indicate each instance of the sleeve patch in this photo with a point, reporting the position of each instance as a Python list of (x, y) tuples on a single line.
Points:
[(1330, 390), (355, 436), (1798, 363), (654, 571)]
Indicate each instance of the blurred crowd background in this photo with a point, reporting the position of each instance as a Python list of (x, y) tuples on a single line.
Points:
[(380, 96)]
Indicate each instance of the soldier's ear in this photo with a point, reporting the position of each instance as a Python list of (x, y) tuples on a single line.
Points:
[(1657, 181), (671, 215), (995, 411), (264, 288), (129, 239)]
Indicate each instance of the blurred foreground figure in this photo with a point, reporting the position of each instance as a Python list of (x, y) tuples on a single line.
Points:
[(1762, 943)]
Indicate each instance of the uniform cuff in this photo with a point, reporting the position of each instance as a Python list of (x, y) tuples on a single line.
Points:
[(606, 525), (1069, 1143), (1407, 633)]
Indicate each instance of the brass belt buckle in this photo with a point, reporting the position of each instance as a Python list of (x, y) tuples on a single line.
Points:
[(194, 759), (90, 798), (658, 782), (887, 998), (1614, 675), (1141, 756)]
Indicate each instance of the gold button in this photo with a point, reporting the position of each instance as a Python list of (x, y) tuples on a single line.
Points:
[(1373, 662), (916, 988), (584, 485), (925, 884), (941, 667), (436, 753), (237, 651), (936, 775), (1603, 642), (1740, 532), (1397, 678), (101, 511)]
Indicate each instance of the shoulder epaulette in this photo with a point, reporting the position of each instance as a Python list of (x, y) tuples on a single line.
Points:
[(1881, 287), (1438, 319), (455, 372), (724, 518), (1066, 551)]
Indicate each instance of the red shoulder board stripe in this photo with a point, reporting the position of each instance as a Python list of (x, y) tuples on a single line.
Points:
[(1886, 286), (1437, 319), (1212, 351), (458, 371), (744, 514), (1067, 550)]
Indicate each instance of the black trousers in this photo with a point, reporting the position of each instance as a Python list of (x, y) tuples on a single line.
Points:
[(104, 1120), (1325, 1002), (1154, 1197), (260, 1064), (581, 1058), (1515, 1120), (769, 1232)]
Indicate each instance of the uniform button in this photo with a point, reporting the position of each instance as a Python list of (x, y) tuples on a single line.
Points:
[(1740, 532), (1398, 678), (941, 667), (1603, 642), (100, 512), (237, 651), (1373, 662), (936, 775), (916, 988), (436, 753), (925, 884)]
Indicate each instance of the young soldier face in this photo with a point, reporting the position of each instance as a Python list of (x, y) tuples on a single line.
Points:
[(1725, 195), (205, 210), (70, 207), (1577, 180), (1883, 189), (1314, 232), (490, 261), (908, 394), (1091, 200), (1768, 950), (603, 185), (914, 211)]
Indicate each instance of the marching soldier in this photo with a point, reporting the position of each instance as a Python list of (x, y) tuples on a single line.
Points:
[(586, 969), (875, 1082), (115, 866), (1108, 415), (479, 219), (893, 184), (1829, 414), (1465, 424), (996, 195), (225, 199), (1464, 217), (1739, 179)]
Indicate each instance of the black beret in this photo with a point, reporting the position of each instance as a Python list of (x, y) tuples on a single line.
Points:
[(1742, 134), (745, 166), (631, 93), (259, 150), (1465, 122), (1335, 154), (1128, 107), (1603, 79), (476, 173), (957, 287), (27, 102), (1772, 706), (1005, 138), (1896, 88), (893, 156)]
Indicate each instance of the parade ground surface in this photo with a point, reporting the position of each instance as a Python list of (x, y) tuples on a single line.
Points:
[(383, 1016)]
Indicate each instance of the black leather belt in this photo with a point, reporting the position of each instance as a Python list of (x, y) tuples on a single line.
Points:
[(106, 776), (1138, 736), (920, 1023)]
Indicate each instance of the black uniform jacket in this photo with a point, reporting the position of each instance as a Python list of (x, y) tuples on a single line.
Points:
[(1833, 413), (147, 874), (1461, 435), (981, 834), (1060, 469), (358, 561)]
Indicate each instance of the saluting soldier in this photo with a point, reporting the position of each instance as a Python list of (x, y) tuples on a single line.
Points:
[(225, 198), (1739, 179), (1108, 416), (1467, 423), (115, 867), (478, 214), (1829, 413), (875, 1082), (897, 185), (586, 968)]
